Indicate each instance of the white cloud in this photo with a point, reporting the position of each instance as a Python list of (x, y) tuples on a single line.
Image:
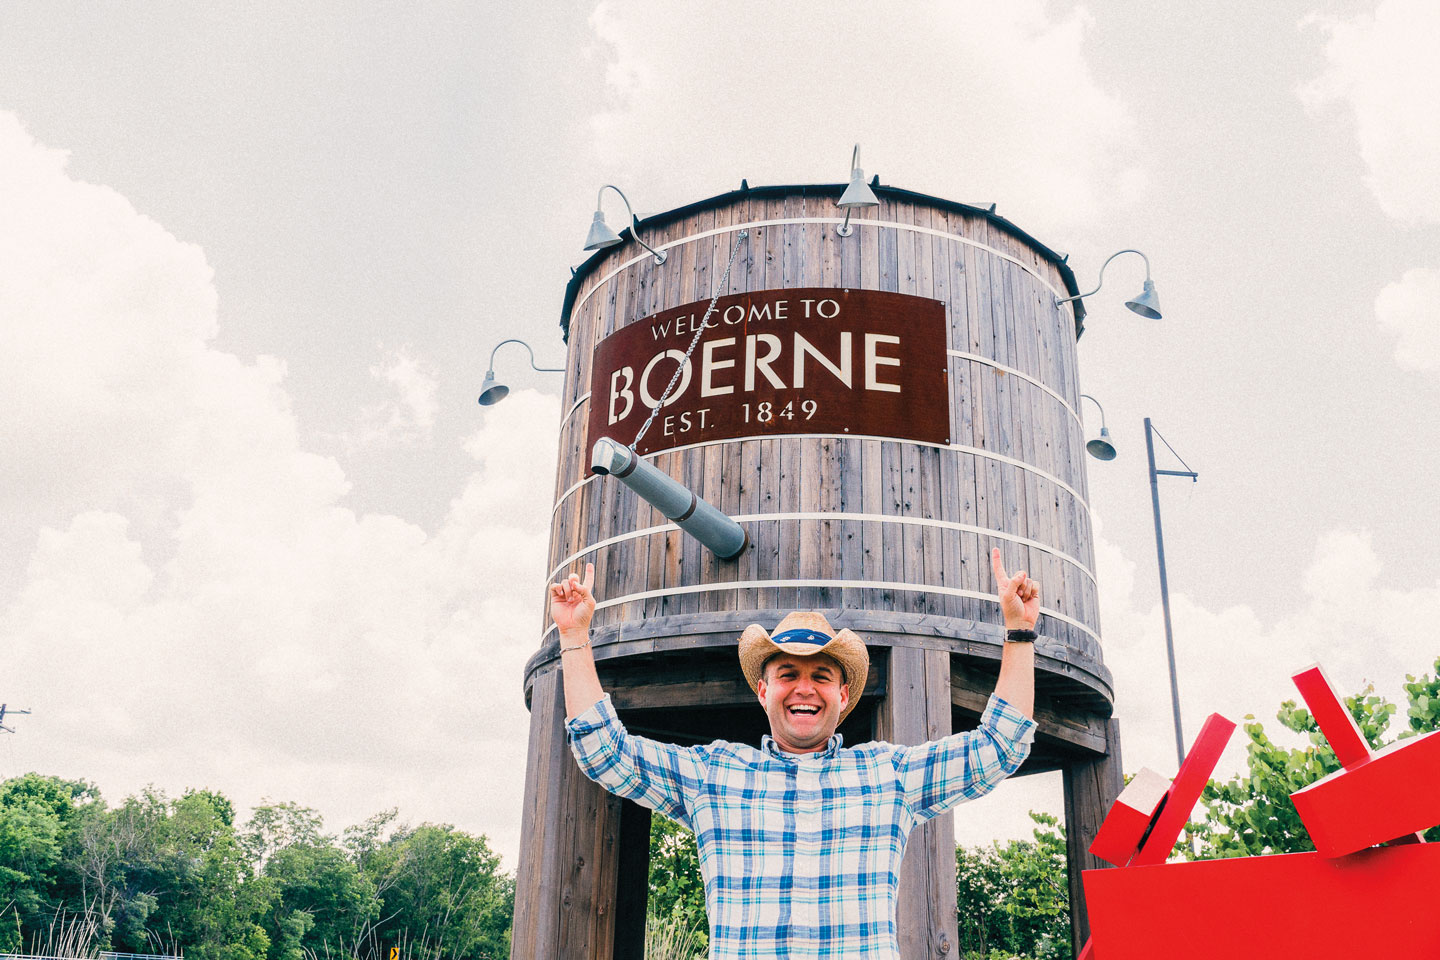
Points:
[(407, 417), (260, 638), (1342, 611), (980, 102), (1381, 67), (95, 376), (1410, 309)]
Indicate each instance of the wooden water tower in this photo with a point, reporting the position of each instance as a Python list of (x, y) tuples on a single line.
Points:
[(879, 409)]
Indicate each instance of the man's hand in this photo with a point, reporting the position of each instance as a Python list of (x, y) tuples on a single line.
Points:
[(571, 602), (1019, 596)]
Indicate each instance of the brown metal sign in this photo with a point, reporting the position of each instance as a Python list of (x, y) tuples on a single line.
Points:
[(808, 360)]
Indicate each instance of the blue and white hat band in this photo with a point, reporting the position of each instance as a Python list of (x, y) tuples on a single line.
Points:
[(800, 636)]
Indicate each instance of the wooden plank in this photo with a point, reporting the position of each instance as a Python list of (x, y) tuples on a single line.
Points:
[(590, 861), (530, 872), (906, 272), (892, 535), (751, 479), (916, 708), (792, 254), (951, 508), (1076, 733), (932, 538), (809, 531), (1091, 787), (888, 255), (912, 537), (851, 561), (831, 534), (788, 554), (565, 891)]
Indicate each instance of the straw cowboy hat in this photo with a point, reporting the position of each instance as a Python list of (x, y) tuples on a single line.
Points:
[(804, 634)]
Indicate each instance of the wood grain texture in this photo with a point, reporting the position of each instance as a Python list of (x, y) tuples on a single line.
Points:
[(996, 309), (566, 879), (1091, 786), (916, 709), (942, 650)]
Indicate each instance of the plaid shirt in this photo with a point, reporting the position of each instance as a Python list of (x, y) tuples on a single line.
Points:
[(801, 854)]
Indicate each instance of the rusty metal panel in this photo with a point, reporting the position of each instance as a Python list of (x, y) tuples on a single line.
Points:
[(812, 360)]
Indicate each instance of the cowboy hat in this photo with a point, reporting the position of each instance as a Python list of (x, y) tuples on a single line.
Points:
[(804, 634)]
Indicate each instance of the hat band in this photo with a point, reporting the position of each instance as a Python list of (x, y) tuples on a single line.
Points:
[(800, 635)]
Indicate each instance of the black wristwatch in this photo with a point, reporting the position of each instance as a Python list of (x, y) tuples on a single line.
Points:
[(1020, 636)]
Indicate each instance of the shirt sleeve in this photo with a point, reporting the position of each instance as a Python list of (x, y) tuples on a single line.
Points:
[(661, 776), (941, 774)]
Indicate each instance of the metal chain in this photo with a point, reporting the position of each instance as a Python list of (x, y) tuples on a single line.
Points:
[(724, 279)]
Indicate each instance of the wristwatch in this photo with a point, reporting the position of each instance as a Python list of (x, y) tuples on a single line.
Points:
[(1020, 636)]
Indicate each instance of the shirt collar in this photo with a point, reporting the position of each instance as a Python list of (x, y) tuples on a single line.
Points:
[(768, 746)]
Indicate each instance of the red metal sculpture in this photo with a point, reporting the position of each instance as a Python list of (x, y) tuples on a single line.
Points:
[(1347, 896)]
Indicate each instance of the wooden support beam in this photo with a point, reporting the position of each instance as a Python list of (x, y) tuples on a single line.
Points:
[(565, 887), (1058, 729), (916, 709), (632, 886), (1091, 787)]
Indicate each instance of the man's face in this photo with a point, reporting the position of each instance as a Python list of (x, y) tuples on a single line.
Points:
[(803, 697)]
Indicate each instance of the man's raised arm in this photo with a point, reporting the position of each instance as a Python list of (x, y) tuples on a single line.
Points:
[(571, 606), (1020, 604), (660, 776)]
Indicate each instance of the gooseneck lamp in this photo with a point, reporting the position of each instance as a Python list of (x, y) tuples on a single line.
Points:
[(492, 392), (1102, 447), (1146, 303), (601, 236), (856, 196)]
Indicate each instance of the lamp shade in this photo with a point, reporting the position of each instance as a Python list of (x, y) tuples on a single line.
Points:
[(1101, 448), (1147, 304), (858, 194), (600, 234), (492, 392)]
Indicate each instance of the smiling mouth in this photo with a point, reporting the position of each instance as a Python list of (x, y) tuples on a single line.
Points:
[(805, 711)]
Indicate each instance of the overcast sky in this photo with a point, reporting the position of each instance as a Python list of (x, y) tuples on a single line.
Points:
[(259, 537)]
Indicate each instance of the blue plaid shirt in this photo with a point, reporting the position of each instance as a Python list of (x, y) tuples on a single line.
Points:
[(801, 853)]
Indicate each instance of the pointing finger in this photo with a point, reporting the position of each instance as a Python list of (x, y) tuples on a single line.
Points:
[(1000, 575), (589, 576)]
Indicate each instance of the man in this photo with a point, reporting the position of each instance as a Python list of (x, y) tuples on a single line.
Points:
[(800, 841)]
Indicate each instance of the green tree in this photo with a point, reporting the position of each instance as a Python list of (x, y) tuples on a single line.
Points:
[(276, 825), (1252, 814), (676, 887), (38, 816), (10, 939), (324, 899), (178, 877), (1014, 898), (444, 894)]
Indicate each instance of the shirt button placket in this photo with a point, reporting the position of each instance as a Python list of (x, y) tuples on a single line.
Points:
[(810, 826)]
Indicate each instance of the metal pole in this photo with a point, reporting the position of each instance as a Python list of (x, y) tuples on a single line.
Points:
[(1164, 583)]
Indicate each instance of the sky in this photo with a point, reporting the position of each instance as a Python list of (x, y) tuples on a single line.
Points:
[(259, 537)]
